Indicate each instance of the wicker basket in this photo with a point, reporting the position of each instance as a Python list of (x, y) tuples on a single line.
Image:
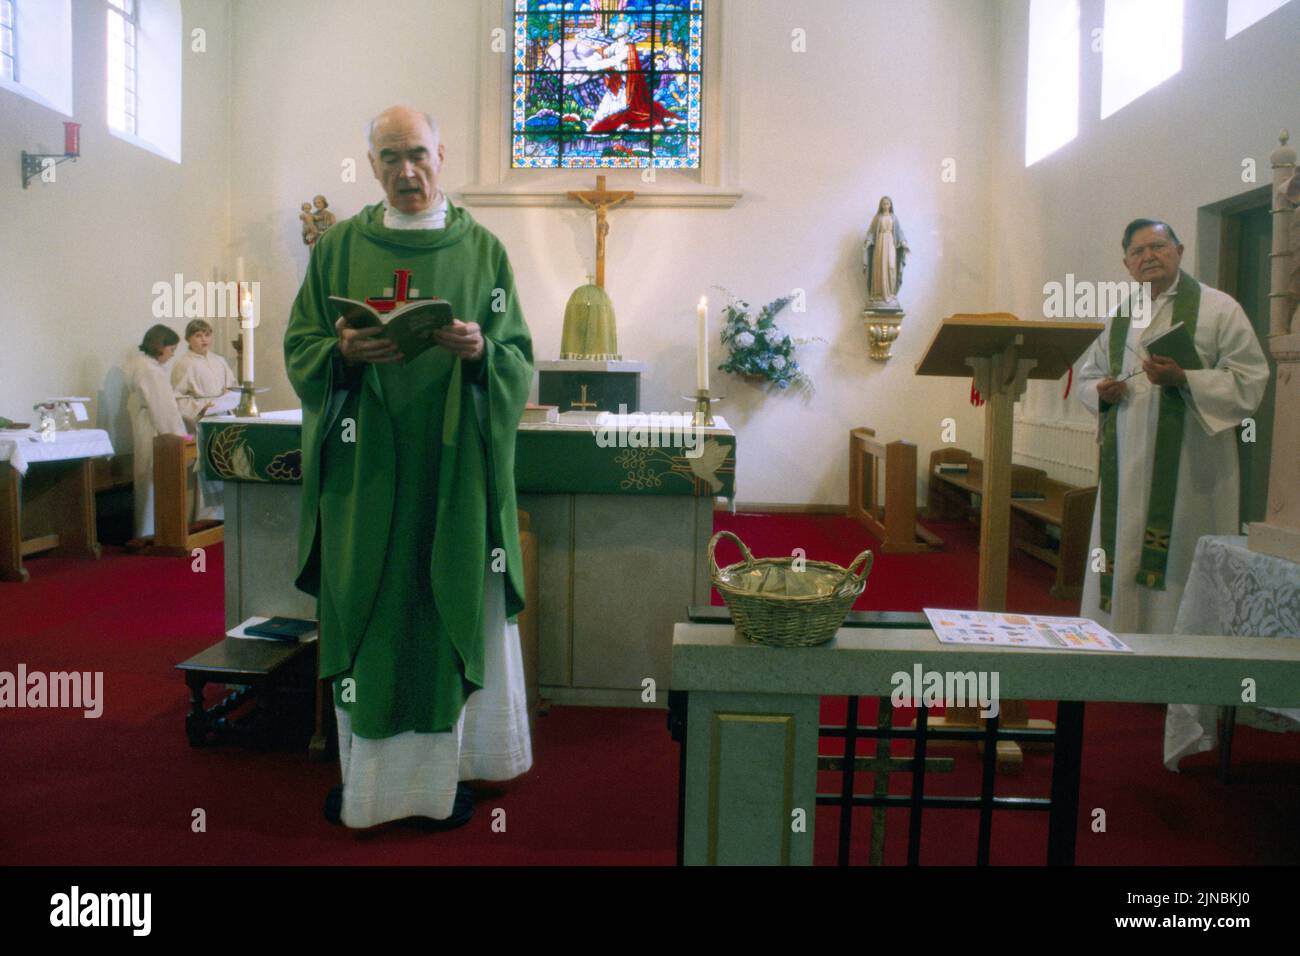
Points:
[(780, 618)]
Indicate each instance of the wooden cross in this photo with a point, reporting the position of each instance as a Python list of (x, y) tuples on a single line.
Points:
[(601, 200)]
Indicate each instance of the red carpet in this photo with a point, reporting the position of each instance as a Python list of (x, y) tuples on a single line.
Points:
[(123, 789)]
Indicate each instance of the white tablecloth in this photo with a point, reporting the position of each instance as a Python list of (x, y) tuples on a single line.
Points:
[(1234, 591), (21, 448)]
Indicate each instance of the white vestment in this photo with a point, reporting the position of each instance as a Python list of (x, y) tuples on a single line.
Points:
[(1219, 397), (153, 410), (200, 380), (415, 775)]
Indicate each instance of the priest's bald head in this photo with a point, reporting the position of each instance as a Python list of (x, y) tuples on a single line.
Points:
[(406, 157)]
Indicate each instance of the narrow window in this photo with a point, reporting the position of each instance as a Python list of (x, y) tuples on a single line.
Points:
[(123, 65)]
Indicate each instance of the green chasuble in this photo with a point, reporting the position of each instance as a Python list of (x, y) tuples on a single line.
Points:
[(405, 495)]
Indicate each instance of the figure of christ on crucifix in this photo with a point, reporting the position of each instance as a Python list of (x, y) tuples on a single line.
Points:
[(601, 200)]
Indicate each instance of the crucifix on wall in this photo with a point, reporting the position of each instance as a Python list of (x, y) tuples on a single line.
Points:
[(602, 201)]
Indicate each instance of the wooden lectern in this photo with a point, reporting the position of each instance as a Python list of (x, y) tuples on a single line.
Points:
[(1002, 352)]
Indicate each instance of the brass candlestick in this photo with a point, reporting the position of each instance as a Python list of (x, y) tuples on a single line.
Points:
[(247, 407), (703, 412)]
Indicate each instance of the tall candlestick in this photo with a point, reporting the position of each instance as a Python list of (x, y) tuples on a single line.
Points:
[(702, 353), (246, 323)]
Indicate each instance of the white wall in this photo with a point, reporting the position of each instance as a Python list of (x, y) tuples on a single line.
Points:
[(1175, 149), (79, 256), (886, 91)]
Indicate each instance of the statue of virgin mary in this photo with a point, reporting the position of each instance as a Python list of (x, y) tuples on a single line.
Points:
[(884, 253)]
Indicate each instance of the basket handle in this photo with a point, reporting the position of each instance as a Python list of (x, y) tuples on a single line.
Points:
[(866, 567), (713, 544)]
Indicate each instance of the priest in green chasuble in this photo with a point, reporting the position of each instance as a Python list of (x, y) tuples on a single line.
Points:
[(408, 535), (1168, 435)]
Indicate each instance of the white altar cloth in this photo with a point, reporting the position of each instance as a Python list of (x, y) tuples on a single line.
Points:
[(22, 447)]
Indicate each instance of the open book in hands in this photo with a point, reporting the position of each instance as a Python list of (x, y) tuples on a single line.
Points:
[(410, 327)]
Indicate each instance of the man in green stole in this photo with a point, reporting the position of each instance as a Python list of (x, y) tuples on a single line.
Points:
[(1168, 471), (408, 533)]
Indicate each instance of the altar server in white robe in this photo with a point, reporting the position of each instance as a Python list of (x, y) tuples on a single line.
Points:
[(202, 381), (151, 403), (1169, 442)]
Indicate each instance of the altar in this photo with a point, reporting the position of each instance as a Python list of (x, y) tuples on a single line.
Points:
[(622, 507)]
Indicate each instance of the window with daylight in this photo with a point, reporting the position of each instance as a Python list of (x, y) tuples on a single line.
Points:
[(123, 65), (1243, 13), (1142, 46), (1052, 86), (8, 51), (36, 52), (144, 74), (605, 83)]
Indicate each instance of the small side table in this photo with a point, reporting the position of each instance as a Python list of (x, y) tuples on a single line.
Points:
[(47, 496), (1234, 591), (278, 678)]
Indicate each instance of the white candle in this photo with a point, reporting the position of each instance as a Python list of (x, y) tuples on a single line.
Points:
[(702, 354), (246, 323)]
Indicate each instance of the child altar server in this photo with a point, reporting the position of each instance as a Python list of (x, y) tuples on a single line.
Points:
[(201, 380), (153, 410)]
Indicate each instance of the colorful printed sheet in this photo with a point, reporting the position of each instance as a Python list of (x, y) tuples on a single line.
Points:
[(1022, 630)]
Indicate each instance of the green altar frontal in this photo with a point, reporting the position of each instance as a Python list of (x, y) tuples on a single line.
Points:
[(628, 455), (622, 507)]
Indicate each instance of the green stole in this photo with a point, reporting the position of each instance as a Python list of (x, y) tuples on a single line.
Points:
[(1168, 453)]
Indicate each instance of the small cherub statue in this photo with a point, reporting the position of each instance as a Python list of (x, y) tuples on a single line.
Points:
[(322, 217), (309, 231)]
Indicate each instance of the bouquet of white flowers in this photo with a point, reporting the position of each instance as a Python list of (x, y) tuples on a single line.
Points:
[(758, 348)]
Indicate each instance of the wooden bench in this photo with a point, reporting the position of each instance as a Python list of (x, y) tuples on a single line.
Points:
[(1063, 506), (894, 520), (173, 468), (269, 675)]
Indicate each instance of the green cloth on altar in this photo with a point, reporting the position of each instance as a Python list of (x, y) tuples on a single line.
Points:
[(397, 523)]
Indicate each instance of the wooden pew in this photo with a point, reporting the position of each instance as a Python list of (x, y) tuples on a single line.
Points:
[(894, 522), (1064, 506), (173, 462)]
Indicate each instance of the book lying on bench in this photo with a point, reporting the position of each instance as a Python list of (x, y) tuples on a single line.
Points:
[(953, 468), (1028, 496), (1000, 629), (285, 629)]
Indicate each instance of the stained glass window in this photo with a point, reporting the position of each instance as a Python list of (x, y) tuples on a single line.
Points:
[(8, 50), (607, 83)]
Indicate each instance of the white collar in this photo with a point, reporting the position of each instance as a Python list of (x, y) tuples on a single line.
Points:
[(435, 217)]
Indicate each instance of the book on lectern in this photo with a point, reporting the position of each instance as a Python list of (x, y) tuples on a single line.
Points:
[(1176, 343), (410, 327)]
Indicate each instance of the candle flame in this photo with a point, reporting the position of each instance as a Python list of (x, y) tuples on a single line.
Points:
[(704, 302)]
